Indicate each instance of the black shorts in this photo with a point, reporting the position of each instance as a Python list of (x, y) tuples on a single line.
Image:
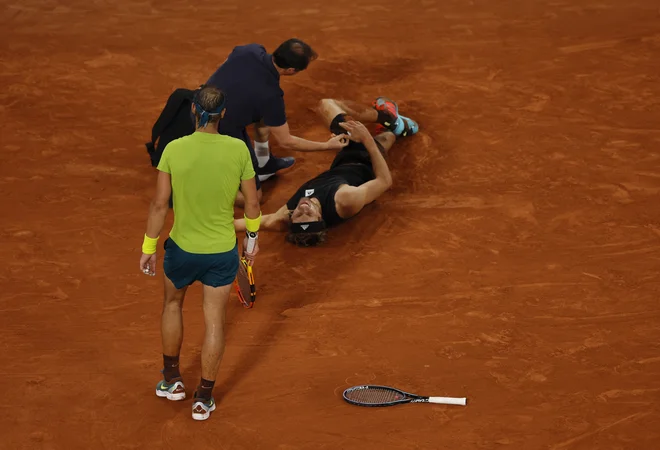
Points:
[(354, 152)]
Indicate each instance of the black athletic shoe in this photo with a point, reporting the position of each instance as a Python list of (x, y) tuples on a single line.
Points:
[(274, 165)]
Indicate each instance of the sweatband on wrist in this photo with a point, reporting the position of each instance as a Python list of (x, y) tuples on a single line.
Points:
[(252, 224), (149, 245)]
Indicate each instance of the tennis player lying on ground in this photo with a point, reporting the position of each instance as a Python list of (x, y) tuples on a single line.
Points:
[(358, 174)]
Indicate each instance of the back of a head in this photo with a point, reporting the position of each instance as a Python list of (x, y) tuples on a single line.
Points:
[(209, 102), (307, 239), (209, 98), (294, 54), (307, 234)]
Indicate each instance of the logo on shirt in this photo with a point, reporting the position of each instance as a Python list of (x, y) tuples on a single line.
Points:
[(308, 192), (304, 227)]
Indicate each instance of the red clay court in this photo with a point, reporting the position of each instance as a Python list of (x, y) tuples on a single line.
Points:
[(515, 261)]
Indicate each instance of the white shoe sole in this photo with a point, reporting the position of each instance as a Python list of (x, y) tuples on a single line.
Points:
[(206, 415), (265, 177), (170, 396)]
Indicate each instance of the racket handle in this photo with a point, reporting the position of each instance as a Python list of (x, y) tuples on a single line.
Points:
[(448, 400), (252, 242)]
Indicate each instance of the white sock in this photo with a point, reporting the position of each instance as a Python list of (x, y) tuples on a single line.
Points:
[(262, 151)]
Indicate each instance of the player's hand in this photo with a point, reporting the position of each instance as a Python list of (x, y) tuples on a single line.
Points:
[(249, 257), (337, 142), (356, 130), (148, 264)]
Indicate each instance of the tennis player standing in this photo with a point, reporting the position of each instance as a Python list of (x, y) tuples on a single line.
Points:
[(203, 171)]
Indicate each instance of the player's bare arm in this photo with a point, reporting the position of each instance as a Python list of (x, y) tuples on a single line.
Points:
[(252, 211), (350, 200), (284, 137), (277, 221), (156, 221)]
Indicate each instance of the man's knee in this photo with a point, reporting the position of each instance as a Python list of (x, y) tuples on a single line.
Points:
[(173, 302), (331, 110), (326, 104), (173, 297)]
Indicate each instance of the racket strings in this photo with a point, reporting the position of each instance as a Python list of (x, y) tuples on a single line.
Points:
[(244, 282), (375, 396)]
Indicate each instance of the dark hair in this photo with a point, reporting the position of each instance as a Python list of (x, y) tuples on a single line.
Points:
[(211, 101), (307, 239), (295, 54)]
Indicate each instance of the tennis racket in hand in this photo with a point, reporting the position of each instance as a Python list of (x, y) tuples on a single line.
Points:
[(374, 396), (245, 285)]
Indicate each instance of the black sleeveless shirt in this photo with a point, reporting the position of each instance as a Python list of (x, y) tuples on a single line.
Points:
[(325, 186)]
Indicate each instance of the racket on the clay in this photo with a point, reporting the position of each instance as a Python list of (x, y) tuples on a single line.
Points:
[(374, 396), (245, 285)]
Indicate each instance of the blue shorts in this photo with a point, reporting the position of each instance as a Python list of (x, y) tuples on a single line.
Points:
[(183, 268)]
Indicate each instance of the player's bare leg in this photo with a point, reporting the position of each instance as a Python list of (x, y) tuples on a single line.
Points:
[(215, 306), (330, 108), (171, 327), (213, 348), (386, 139), (172, 318)]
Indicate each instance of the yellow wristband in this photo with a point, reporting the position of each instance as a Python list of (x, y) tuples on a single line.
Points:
[(252, 224), (149, 245)]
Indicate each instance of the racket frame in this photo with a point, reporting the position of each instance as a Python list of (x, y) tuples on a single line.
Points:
[(247, 303), (407, 397)]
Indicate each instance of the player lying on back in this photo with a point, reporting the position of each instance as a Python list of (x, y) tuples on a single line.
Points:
[(357, 176)]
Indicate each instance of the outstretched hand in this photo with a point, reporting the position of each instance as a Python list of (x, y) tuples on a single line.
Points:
[(356, 130)]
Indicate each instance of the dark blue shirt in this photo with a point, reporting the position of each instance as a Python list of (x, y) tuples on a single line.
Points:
[(251, 83)]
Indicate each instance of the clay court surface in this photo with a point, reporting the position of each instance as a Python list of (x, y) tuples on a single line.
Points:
[(515, 261)]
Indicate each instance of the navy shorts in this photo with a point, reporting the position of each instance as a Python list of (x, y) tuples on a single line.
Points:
[(183, 268)]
